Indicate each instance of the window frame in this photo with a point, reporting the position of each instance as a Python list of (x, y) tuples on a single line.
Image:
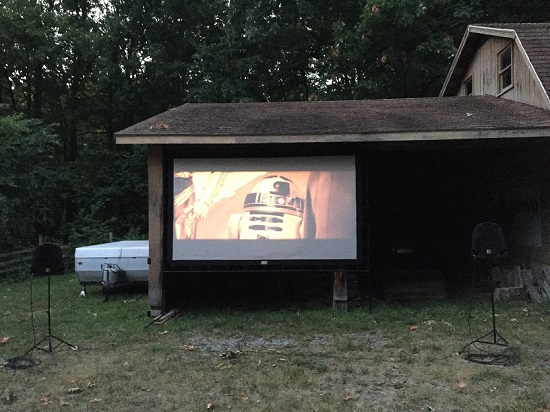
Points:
[(467, 86), (505, 72)]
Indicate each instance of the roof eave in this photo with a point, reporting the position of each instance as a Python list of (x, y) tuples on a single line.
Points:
[(542, 132), (492, 31), (455, 62)]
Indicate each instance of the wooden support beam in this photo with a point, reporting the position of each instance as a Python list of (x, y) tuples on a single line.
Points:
[(340, 291), (155, 172)]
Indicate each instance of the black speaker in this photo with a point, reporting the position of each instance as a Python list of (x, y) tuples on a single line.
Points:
[(47, 259), (488, 241)]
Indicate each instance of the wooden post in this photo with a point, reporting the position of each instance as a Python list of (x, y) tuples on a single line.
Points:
[(156, 196), (340, 291)]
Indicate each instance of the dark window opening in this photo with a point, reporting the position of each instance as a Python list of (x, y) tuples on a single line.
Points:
[(505, 69), (467, 86)]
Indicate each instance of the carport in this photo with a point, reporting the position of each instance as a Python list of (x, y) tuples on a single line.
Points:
[(427, 171)]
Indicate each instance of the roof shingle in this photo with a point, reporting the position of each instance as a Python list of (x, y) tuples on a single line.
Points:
[(357, 117)]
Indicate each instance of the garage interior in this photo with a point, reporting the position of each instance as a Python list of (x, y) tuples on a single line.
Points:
[(424, 203)]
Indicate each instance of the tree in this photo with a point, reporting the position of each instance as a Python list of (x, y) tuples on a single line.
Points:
[(398, 48), (514, 11), (31, 182), (110, 192), (259, 51), (27, 46)]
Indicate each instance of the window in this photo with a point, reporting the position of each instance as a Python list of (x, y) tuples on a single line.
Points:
[(467, 87), (505, 69)]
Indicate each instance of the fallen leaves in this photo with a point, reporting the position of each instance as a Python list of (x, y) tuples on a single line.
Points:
[(46, 399), (241, 397), (159, 126), (313, 407)]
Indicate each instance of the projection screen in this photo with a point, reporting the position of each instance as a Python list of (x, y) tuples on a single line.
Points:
[(264, 209)]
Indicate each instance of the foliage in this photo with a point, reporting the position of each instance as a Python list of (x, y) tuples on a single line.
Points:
[(260, 53), (395, 49), (110, 185), (504, 11), (31, 179)]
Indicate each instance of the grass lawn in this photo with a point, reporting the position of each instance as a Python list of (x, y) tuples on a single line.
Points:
[(393, 358)]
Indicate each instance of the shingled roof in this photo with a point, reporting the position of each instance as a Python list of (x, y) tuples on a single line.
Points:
[(533, 38), (436, 118)]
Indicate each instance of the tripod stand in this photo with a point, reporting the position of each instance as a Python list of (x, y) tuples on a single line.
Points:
[(491, 348), (50, 338), (48, 261), (488, 244), (493, 337)]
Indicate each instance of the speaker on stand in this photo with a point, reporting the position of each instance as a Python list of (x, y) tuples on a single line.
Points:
[(47, 260), (488, 249)]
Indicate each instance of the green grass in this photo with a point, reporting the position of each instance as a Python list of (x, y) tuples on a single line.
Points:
[(393, 358)]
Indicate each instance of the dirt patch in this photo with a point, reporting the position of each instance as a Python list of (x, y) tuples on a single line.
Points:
[(243, 342)]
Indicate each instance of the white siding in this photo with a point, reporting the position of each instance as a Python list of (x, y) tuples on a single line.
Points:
[(484, 72)]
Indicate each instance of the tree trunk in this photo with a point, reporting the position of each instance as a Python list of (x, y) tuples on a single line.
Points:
[(38, 91)]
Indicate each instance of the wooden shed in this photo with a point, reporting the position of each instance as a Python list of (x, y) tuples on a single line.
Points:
[(360, 181)]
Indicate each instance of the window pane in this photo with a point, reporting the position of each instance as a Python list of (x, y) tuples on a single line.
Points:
[(467, 87), (505, 68), (506, 58), (506, 78)]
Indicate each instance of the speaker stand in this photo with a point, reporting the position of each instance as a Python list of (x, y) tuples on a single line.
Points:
[(491, 348), (493, 337), (50, 338)]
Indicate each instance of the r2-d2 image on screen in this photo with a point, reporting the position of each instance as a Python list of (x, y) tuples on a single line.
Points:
[(274, 209), (262, 210)]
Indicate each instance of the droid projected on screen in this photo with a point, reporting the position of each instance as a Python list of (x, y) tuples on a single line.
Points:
[(274, 209)]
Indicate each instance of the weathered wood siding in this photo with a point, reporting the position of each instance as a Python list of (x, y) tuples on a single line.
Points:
[(485, 76)]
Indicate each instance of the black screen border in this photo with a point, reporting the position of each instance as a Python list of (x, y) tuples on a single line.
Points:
[(170, 154)]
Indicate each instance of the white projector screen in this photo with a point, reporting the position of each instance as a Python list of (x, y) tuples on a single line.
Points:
[(264, 209)]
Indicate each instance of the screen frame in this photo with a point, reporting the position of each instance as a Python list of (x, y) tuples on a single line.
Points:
[(177, 265)]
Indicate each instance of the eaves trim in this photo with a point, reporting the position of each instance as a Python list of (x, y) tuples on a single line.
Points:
[(343, 138)]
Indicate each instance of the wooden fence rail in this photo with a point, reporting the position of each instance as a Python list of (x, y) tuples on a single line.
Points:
[(20, 260)]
